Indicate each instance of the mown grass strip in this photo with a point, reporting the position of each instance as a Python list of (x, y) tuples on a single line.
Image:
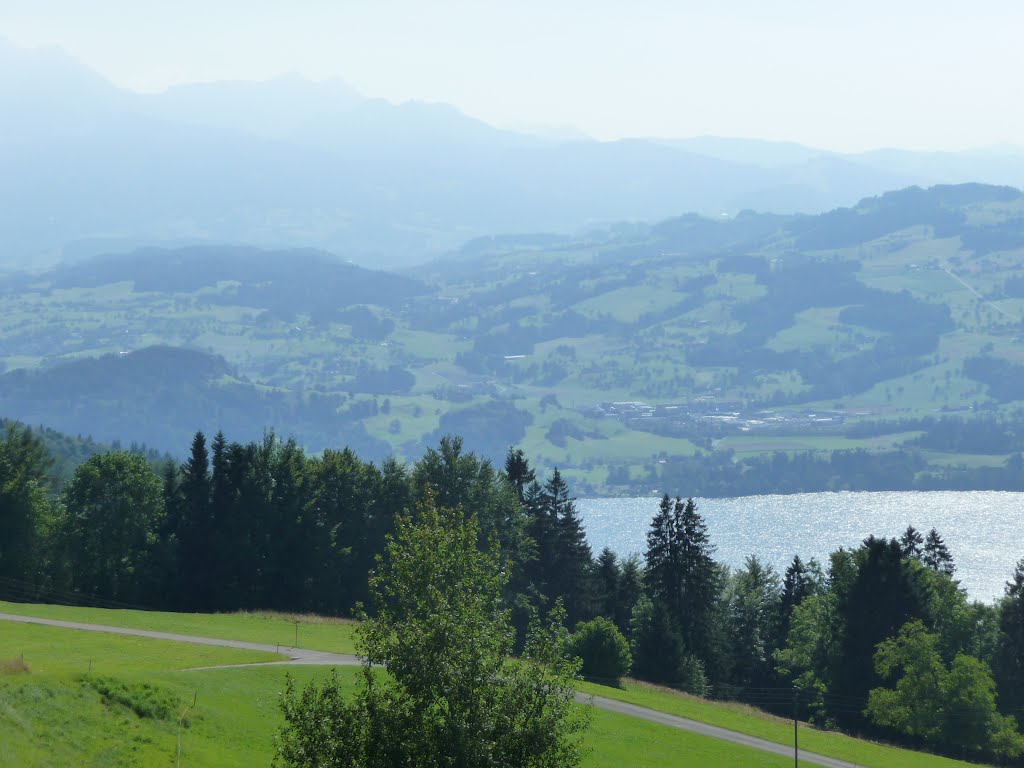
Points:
[(749, 720), (272, 628)]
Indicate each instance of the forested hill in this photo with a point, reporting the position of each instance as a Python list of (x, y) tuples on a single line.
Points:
[(66, 452), (623, 357), (158, 393)]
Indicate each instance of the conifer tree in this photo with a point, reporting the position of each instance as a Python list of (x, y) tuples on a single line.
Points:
[(681, 572), (912, 541), (571, 576), (518, 471), (631, 589), (936, 554), (192, 524), (606, 576), (800, 581), (1009, 663), (753, 614), (541, 528), (882, 596)]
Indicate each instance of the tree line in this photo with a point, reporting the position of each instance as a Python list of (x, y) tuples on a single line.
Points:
[(881, 640)]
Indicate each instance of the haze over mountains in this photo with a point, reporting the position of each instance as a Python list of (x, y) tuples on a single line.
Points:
[(87, 168)]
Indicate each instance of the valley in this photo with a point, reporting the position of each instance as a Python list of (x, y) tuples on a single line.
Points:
[(875, 329)]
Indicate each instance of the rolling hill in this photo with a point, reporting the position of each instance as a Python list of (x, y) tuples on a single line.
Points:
[(894, 325)]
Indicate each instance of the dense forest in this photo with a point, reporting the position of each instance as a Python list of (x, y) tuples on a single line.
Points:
[(880, 640)]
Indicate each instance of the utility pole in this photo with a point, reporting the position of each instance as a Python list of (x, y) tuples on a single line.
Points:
[(796, 731)]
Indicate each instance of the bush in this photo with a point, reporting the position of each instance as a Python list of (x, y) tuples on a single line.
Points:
[(144, 699), (603, 650)]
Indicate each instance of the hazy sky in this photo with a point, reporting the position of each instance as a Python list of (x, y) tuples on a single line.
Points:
[(923, 74)]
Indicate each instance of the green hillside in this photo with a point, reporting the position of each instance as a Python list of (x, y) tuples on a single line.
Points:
[(108, 700), (626, 357)]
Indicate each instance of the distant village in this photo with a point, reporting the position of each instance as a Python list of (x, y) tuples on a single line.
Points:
[(721, 416)]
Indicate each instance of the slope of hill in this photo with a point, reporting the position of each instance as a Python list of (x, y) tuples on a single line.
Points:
[(893, 325)]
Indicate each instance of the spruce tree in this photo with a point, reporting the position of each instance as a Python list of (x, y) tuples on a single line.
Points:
[(681, 573), (795, 585), (607, 575), (798, 583), (911, 541), (194, 528), (753, 614), (662, 557), (573, 561), (1009, 662), (631, 589), (936, 554), (700, 580), (883, 595), (541, 528), (518, 471)]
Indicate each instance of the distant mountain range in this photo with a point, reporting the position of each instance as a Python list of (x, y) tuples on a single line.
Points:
[(88, 168)]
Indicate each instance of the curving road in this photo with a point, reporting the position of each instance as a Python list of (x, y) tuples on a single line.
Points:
[(295, 655), (303, 656)]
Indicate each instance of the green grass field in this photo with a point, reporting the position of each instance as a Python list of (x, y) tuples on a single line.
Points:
[(315, 632), (738, 717), (57, 713), (53, 715)]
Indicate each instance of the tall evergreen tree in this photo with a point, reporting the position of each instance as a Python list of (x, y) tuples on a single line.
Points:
[(799, 582), (682, 574), (219, 543), (936, 554), (607, 575), (796, 585), (882, 596), (1009, 662), (543, 532), (282, 544), (631, 589), (572, 568), (518, 471), (662, 570), (753, 623), (912, 543), (193, 528)]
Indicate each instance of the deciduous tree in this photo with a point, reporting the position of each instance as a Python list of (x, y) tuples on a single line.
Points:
[(450, 696)]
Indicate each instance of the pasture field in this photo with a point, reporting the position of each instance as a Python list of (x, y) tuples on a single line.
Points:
[(752, 721), (315, 632), (98, 699), (135, 708)]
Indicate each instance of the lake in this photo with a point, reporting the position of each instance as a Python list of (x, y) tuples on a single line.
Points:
[(983, 529)]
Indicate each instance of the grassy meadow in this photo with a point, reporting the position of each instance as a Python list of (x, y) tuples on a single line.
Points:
[(69, 697)]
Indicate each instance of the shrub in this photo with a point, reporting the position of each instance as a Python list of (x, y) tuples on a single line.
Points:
[(603, 650), (144, 699)]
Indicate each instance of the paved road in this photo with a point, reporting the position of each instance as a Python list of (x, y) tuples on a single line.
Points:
[(303, 656), (295, 655), (723, 734)]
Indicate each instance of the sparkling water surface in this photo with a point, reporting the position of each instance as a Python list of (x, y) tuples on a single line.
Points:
[(983, 529)]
